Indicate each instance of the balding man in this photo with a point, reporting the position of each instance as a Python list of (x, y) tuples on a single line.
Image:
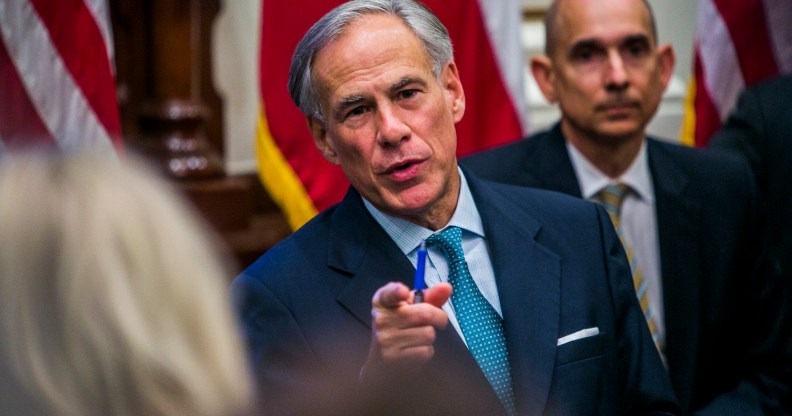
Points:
[(686, 217)]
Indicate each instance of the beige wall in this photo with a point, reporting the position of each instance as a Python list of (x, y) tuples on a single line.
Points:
[(235, 51)]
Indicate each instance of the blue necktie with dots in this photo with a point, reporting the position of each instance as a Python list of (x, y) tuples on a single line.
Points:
[(480, 323)]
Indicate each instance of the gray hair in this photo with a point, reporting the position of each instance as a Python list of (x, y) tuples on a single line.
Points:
[(432, 34)]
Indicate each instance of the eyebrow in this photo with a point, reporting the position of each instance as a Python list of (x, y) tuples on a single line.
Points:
[(405, 81), (346, 102), (585, 43), (637, 38), (353, 100), (594, 43)]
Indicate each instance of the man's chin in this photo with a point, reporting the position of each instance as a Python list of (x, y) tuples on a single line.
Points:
[(410, 206), (415, 207), (406, 202), (621, 131)]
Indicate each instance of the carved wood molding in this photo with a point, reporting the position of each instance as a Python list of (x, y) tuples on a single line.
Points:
[(172, 114), (169, 107)]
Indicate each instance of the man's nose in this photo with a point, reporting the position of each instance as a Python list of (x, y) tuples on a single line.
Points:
[(392, 128), (615, 71)]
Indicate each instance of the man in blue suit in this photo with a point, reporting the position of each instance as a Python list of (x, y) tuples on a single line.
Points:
[(542, 317), (688, 217)]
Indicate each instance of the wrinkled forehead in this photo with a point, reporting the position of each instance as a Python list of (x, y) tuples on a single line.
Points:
[(376, 55)]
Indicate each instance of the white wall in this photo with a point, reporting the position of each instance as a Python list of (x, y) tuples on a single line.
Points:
[(236, 50), (235, 53), (676, 24)]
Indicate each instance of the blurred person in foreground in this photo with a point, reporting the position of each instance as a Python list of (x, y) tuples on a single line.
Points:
[(530, 307), (688, 217), (112, 298)]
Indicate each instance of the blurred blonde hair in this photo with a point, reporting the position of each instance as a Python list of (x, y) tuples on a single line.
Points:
[(112, 298)]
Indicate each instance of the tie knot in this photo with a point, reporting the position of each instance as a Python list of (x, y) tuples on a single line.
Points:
[(450, 242), (612, 197)]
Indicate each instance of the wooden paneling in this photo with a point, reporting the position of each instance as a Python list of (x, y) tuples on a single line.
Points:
[(172, 114)]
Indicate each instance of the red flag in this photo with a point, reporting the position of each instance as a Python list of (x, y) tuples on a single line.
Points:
[(297, 176), (738, 43), (57, 76)]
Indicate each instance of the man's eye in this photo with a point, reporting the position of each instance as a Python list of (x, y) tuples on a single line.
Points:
[(585, 55), (356, 111), (637, 48), (404, 94)]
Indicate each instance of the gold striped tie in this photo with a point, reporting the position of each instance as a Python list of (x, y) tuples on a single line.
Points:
[(612, 197)]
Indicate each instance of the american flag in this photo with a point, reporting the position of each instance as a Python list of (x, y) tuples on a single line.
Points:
[(738, 43), (57, 86)]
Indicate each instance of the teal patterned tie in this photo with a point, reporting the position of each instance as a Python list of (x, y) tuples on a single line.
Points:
[(480, 323)]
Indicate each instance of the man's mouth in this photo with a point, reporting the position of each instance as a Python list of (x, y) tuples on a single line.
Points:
[(403, 166), (618, 106), (404, 170)]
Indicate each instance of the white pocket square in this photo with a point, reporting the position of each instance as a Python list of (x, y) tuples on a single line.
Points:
[(583, 333)]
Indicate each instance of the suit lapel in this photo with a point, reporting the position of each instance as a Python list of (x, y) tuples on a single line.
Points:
[(367, 253), (548, 166), (528, 279), (358, 246), (678, 230)]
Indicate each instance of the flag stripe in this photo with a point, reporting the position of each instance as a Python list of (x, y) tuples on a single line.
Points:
[(101, 16), (688, 135), (778, 14), (60, 102), (708, 117), (279, 178), (722, 78), (20, 123), (490, 117), (753, 48), (502, 23), (75, 35), (322, 181)]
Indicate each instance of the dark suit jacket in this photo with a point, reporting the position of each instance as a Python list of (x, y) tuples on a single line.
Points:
[(306, 310), (760, 131), (724, 337)]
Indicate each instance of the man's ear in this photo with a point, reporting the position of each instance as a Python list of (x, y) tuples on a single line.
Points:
[(542, 69), (666, 59), (454, 91), (322, 140)]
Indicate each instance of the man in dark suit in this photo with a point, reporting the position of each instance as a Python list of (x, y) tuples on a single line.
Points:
[(760, 132), (687, 217), (542, 318)]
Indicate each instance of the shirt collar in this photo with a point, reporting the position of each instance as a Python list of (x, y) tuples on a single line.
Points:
[(408, 235), (592, 180)]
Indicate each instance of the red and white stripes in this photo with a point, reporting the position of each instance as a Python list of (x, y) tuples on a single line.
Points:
[(56, 75), (738, 43), (503, 20)]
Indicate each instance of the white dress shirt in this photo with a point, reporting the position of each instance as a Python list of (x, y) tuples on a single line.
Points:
[(638, 220), (408, 236)]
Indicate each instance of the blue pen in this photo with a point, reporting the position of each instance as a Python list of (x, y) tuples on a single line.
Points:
[(420, 272)]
